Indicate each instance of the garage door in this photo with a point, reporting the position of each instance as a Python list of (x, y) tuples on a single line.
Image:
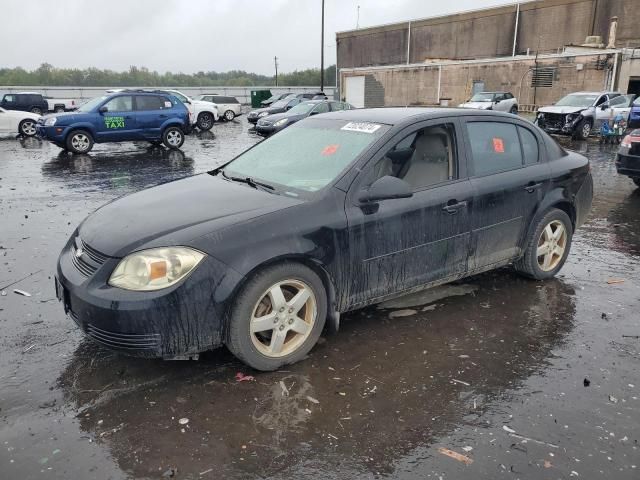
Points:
[(354, 89)]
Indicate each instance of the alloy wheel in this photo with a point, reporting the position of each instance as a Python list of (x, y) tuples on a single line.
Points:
[(206, 121), (586, 130), (29, 128), (174, 138), (80, 142), (551, 245), (283, 318), (229, 115)]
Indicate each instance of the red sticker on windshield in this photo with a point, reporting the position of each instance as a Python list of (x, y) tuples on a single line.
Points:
[(330, 150), (498, 145)]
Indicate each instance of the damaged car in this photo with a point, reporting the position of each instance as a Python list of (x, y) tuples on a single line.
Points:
[(336, 212), (578, 114)]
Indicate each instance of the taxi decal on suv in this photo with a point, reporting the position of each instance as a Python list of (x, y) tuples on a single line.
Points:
[(114, 122)]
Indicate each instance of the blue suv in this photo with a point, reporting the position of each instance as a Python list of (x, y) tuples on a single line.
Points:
[(128, 115)]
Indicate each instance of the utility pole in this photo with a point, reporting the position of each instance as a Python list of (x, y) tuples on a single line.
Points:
[(358, 19), (322, 51), (275, 62)]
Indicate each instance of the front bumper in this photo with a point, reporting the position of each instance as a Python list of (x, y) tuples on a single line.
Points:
[(627, 164), (558, 124), (266, 129), (181, 320), (53, 134)]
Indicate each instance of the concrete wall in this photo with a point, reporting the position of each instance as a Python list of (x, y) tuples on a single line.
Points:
[(418, 85), (545, 25)]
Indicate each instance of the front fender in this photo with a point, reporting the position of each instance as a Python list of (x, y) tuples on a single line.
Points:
[(90, 127)]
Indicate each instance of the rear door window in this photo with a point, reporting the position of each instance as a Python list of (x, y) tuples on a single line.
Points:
[(150, 102), (9, 99), (495, 147)]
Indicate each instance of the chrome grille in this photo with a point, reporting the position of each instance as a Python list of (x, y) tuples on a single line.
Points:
[(89, 259)]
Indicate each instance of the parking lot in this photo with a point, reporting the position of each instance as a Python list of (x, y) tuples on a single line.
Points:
[(523, 379)]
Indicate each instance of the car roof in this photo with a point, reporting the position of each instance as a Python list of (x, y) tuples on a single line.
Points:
[(593, 93), (397, 115), (501, 91)]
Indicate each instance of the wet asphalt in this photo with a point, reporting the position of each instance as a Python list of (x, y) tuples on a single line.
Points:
[(493, 377)]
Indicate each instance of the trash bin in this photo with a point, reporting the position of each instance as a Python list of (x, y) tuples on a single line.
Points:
[(258, 96)]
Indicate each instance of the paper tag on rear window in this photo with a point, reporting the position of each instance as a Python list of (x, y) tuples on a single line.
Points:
[(363, 127), (498, 145), (167, 104), (329, 150)]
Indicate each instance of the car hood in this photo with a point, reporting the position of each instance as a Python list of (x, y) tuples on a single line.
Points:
[(279, 116), (562, 110), (176, 213), (478, 105), (18, 115), (70, 116)]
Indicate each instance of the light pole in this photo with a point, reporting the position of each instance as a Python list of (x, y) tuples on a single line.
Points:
[(275, 62), (322, 51)]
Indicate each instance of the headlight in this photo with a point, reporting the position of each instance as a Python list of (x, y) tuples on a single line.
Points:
[(155, 269), (279, 123), (50, 122), (540, 116), (571, 117), (263, 114)]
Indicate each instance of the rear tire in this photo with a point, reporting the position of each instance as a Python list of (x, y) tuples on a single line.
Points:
[(547, 247), (36, 110), (205, 121), (267, 330), (79, 141), (514, 110), (173, 137), (229, 115), (27, 127), (59, 110)]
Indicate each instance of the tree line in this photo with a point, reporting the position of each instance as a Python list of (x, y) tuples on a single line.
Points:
[(48, 75)]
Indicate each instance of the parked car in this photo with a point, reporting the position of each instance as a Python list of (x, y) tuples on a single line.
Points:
[(578, 114), (274, 98), (337, 212), (129, 115), (499, 101), (13, 121), (628, 158), (279, 121), (204, 114), (277, 107), (229, 107), (634, 114), (59, 105), (25, 102)]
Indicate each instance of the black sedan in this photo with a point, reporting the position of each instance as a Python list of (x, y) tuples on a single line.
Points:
[(274, 123), (277, 107), (339, 211), (274, 98), (628, 159)]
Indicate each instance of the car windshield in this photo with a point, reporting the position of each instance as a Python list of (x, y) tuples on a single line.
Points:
[(91, 104), (302, 108), (306, 156), (575, 100), (482, 97), (636, 102)]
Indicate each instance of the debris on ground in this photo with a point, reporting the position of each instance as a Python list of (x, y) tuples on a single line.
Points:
[(241, 377), (312, 400), (507, 429), (455, 455), (28, 348), (460, 382), (586, 382), (613, 399), (170, 473), (22, 292), (407, 312), (285, 390), (615, 281), (183, 421)]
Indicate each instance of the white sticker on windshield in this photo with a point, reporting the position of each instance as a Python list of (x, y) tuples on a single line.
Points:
[(363, 127)]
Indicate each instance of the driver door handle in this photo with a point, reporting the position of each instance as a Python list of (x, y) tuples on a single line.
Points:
[(453, 206), (532, 187)]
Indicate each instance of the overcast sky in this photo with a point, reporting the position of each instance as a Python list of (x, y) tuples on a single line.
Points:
[(194, 35)]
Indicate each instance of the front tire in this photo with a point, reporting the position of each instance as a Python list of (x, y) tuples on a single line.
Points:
[(205, 121), (547, 247), (277, 317), (229, 115), (514, 110), (79, 141), (27, 127), (583, 130), (173, 137)]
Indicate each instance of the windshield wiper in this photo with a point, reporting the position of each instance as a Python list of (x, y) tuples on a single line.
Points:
[(248, 180)]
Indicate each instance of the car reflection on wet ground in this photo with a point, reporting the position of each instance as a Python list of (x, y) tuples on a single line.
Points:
[(521, 379)]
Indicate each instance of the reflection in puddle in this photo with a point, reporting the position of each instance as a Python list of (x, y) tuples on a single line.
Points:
[(363, 400)]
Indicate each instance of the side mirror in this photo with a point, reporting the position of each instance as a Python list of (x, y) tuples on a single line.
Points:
[(103, 109), (386, 188)]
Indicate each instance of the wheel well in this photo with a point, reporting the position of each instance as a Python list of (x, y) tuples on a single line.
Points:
[(315, 267), (80, 129), (567, 208)]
